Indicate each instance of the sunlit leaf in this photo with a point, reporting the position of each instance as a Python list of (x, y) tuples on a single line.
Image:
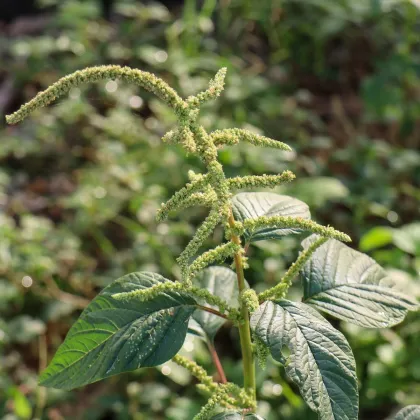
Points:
[(253, 205), (113, 336), (321, 362), (375, 238), (351, 286)]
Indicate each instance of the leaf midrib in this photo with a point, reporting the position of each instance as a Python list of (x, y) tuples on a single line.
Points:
[(312, 354)]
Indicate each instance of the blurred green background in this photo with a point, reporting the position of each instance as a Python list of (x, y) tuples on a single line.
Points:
[(339, 80)]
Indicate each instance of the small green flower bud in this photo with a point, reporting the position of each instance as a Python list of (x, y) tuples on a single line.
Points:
[(262, 352), (250, 299)]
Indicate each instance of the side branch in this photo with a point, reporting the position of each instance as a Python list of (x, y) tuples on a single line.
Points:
[(242, 399), (181, 195), (282, 222), (146, 80), (149, 293), (214, 90), (202, 233), (182, 135), (197, 371), (202, 294), (232, 136), (212, 311), (205, 199), (280, 289), (260, 181), (218, 254)]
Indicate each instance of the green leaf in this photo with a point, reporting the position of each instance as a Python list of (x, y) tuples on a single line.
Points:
[(351, 286), (375, 238), (22, 406), (317, 191), (236, 415), (253, 205), (222, 282), (411, 412), (113, 336), (194, 328), (407, 238), (321, 362)]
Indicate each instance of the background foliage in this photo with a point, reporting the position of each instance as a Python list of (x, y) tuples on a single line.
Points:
[(81, 180)]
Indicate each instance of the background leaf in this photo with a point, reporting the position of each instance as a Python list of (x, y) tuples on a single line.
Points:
[(194, 328), (317, 190), (236, 415), (321, 362), (222, 282), (407, 238), (22, 406), (351, 286), (253, 205), (411, 412), (113, 336), (376, 237)]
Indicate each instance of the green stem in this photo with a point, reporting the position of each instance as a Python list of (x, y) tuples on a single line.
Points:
[(244, 326), (41, 392)]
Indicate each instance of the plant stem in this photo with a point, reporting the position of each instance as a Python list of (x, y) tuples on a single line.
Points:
[(216, 362), (41, 392), (244, 326), (212, 311)]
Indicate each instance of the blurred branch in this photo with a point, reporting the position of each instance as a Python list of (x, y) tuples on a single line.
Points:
[(216, 361), (54, 291), (29, 25), (7, 91), (339, 112), (41, 392)]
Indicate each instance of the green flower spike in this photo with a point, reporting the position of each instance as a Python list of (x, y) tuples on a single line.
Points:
[(227, 136), (147, 81), (281, 222), (279, 291), (260, 181)]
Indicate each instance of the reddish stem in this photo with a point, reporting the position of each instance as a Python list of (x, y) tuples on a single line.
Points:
[(212, 311), (217, 362)]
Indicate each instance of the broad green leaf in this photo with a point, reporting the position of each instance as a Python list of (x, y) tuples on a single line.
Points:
[(411, 412), (236, 415), (321, 362), (222, 282), (351, 286), (113, 336), (253, 205)]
